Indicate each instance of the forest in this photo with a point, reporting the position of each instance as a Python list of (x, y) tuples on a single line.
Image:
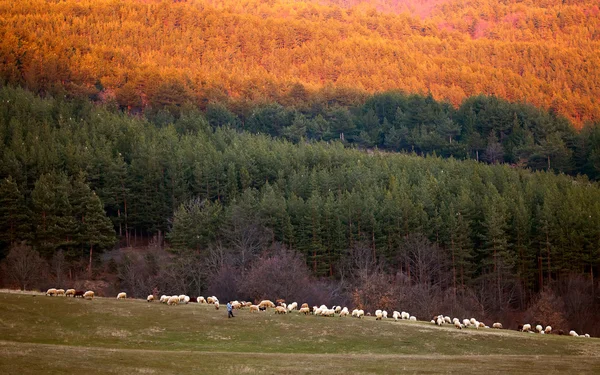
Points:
[(248, 215), (156, 52)]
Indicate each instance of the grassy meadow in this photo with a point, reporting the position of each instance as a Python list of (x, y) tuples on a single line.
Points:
[(58, 335)]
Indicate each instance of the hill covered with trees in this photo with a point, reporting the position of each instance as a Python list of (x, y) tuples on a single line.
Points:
[(156, 53), (224, 197)]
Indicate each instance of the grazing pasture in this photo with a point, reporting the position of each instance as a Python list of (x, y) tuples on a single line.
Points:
[(40, 334)]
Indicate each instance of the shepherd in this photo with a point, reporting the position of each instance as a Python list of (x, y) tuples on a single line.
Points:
[(229, 310)]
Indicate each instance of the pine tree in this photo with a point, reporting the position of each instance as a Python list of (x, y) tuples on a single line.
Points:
[(14, 219), (98, 231)]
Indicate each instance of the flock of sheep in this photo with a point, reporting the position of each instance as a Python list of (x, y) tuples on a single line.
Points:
[(282, 308)]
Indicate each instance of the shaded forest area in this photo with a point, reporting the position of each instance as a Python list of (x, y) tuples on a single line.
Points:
[(246, 216), (155, 52)]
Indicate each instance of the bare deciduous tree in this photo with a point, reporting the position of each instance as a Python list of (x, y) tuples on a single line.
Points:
[(23, 265)]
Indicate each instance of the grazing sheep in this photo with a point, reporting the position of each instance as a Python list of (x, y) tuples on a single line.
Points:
[(186, 299), (587, 335), (150, 298), (304, 310), (360, 314), (266, 303), (217, 305), (344, 312), (378, 315), (88, 295), (440, 320), (404, 315), (70, 293), (323, 307), (164, 299), (526, 328), (548, 330), (236, 305), (384, 314), (573, 333), (539, 328), (181, 298), (280, 310), (200, 300), (122, 295), (338, 309), (328, 312), (466, 323), (254, 308), (279, 301), (292, 306), (457, 324), (60, 292), (412, 318), (79, 294), (210, 300), (51, 292), (304, 305), (481, 325), (173, 300), (448, 320), (355, 313), (497, 325), (395, 315), (473, 321)]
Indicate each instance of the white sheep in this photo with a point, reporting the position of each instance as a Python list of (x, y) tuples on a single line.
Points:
[(173, 300), (150, 298), (384, 314), (164, 298), (447, 320), (344, 312), (200, 300), (181, 298), (412, 318), (466, 323), (323, 307), (497, 325), (457, 324), (539, 328), (338, 309), (405, 315), (328, 312), (355, 313), (70, 292), (217, 305), (526, 328), (186, 299), (481, 325), (254, 308), (396, 315), (360, 314), (587, 335), (292, 306), (573, 333), (88, 295), (122, 295), (548, 329), (210, 300), (60, 292), (473, 321), (378, 315), (51, 292)]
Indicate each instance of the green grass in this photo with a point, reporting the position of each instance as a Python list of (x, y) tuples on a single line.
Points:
[(48, 335)]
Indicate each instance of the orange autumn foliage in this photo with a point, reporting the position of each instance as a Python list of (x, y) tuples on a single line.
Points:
[(167, 52)]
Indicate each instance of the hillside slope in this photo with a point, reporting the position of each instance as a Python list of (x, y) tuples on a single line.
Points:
[(164, 53), (110, 336)]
